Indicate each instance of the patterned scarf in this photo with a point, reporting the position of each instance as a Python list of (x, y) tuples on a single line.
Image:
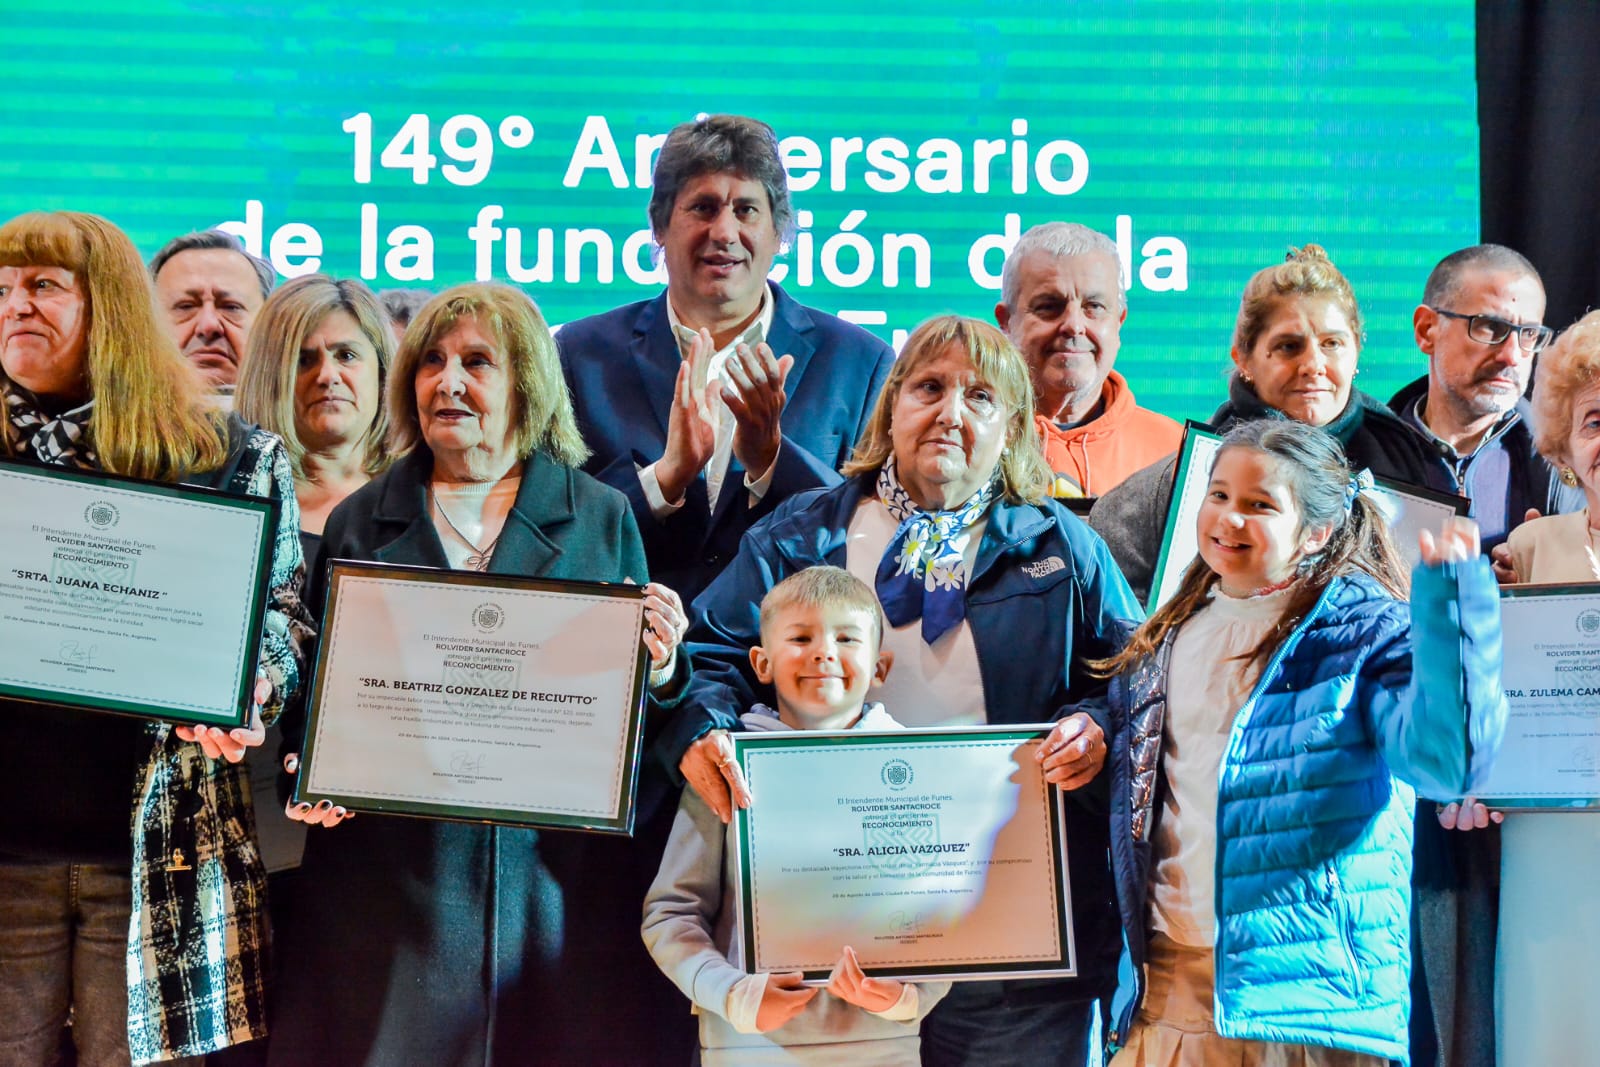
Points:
[(60, 440), (923, 572)]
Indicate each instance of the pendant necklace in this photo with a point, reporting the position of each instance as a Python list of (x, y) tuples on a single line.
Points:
[(479, 559)]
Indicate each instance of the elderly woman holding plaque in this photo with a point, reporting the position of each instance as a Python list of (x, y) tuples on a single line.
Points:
[(418, 940), (155, 944), (995, 595), (1550, 862)]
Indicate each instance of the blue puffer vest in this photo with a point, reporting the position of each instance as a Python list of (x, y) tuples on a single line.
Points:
[(1314, 813)]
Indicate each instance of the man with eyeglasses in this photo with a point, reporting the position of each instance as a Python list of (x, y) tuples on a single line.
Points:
[(1480, 326)]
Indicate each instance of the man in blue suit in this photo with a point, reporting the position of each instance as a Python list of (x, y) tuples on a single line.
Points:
[(715, 401)]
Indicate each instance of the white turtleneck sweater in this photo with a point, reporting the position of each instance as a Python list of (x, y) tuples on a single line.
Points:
[(1206, 687)]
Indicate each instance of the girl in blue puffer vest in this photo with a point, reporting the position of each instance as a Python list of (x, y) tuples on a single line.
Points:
[(1269, 724)]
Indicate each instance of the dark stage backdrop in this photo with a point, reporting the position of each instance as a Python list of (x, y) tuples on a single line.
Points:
[(1539, 114)]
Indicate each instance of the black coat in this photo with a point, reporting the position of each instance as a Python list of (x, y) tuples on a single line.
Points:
[(1533, 482), (417, 941)]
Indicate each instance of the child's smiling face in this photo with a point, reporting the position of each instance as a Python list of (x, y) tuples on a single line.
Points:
[(821, 659), (1250, 529)]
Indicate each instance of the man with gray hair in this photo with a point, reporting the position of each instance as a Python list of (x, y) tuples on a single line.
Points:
[(1062, 304), (211, 289), (716, 400)]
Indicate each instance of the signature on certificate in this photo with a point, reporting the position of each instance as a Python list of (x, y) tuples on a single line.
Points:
[(464, 762), (76, 653), (904, 922)]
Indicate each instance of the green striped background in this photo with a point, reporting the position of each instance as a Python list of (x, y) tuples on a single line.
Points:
[(1239, 128)]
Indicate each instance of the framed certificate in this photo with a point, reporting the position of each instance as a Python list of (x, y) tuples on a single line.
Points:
[(484, 698), (933, 853), (1180, 544), (128, 596), (1412, 509), (1409, 508), (1550, 758)]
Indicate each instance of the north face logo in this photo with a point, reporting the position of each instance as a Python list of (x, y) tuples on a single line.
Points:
[(1044, 568)]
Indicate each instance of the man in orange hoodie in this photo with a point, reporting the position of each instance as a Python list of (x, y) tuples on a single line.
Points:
[(1063, 306)]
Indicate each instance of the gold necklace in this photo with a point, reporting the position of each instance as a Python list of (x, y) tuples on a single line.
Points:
[(479, 559)]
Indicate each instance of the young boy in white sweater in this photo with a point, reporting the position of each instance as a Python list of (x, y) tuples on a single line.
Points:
[(820, 634)]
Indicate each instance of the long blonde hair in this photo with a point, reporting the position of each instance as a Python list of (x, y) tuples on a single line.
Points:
[(272, 359), (152, 416), (1025, 477), (1312, 464)]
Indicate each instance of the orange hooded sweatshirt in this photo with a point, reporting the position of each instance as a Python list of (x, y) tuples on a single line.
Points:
[(1092, 458)]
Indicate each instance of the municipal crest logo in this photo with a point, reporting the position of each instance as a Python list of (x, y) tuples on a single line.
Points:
[(1589, 622), (102, 515), (488, 618), (896, 774)]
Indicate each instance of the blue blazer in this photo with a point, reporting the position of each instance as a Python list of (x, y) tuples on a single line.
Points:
[(620, 368)]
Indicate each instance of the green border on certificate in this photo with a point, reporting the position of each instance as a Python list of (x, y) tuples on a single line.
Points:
[(443, 702), (1199, 440), (1564, 633), (108, 600), (910, 887)]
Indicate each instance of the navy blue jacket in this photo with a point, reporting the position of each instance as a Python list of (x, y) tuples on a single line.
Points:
[(620, 368), (1044, 596)]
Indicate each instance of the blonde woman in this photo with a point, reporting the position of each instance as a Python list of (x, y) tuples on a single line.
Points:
[(314, 373), (153, 963)]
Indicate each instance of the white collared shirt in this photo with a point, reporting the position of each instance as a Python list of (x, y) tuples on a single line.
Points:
[(717, 468)]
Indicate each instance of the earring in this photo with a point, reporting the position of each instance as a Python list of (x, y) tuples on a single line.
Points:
[(1246, 379), (1569, 477)]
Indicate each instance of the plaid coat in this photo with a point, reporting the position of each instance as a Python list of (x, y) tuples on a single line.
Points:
[(197, 940)]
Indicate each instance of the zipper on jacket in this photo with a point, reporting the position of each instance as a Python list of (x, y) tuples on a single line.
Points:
[(1341, 915), (1219, 953)]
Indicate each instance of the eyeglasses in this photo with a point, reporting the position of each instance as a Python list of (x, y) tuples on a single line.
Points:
[(1488, 330)]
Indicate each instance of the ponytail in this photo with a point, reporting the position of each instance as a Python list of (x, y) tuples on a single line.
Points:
[(1312, 464)]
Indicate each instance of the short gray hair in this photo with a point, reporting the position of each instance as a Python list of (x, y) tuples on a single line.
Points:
[(1058, 239), (205, 239), (720, 144), (1444, 283)]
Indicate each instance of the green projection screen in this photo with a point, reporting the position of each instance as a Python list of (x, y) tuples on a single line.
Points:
[(435, 144)]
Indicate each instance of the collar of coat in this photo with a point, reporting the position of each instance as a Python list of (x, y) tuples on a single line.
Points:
[(544, 500), (812, 528)]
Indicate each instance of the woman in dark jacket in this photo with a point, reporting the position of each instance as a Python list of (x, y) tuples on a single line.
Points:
[(424, 941), (1295, 350)]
